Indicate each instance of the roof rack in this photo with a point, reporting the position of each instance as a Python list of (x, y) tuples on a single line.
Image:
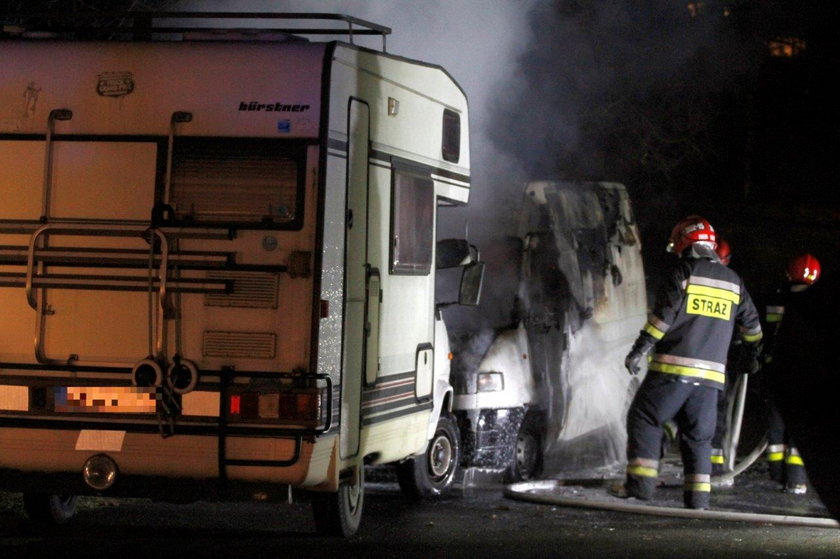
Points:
[(144, 24)]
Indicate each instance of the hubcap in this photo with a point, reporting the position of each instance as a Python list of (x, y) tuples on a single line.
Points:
[(440, 456)]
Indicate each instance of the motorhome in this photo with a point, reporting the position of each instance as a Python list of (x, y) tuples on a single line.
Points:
[(217, 259), (550, 385)]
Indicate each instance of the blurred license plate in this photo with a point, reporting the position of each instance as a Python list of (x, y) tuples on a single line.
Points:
[(105, 399)]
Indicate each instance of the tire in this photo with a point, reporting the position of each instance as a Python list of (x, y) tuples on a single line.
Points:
[(340, 513), (527, 456), (429, 476), (49, 509)]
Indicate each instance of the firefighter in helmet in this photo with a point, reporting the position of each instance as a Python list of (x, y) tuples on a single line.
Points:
[(785, 463), (689, 331)]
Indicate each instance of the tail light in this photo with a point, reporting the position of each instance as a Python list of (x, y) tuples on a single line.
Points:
[(303, 402)]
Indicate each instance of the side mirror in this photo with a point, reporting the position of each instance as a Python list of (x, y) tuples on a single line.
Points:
[(452, 253), (472, 279)]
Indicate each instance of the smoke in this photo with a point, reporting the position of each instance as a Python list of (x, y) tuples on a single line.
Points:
[(557, 90), (592, 394), (480, 44)]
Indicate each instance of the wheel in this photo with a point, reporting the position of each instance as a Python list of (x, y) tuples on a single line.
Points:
[(430, 475), (49, 509), (527, 459), (340, 513)]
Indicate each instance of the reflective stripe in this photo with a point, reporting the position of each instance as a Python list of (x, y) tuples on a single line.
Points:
[(719, 284), (717, 459), (717, 293), (776, 448), (688, 372), (656, 327), (793, 460), (686, 367), (753, 334), (698, 482), (656, 333), (657, 322), (775, 456), (775, 313), (643, 467), (689, 362), (641, 471), (751, 338), (793, 457)]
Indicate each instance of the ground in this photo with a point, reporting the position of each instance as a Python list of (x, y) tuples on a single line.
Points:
[(478, 522)]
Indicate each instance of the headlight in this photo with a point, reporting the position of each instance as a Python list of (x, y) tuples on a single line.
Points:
[(491, 382)]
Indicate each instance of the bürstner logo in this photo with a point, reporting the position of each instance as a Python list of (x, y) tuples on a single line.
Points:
[(115, 84), (272, 107)]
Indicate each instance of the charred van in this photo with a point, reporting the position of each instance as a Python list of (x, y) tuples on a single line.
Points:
[(551, 383)]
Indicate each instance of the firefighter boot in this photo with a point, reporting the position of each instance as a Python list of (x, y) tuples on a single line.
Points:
[(718, 462), (795, 479), (697, 491), (775, 454), (698, 500)]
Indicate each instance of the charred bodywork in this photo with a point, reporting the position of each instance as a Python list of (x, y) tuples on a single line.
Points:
[(546, 391)]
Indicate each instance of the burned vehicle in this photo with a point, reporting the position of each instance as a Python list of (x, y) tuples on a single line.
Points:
[(547, 392)]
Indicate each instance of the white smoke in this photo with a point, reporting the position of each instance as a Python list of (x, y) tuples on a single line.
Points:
[(478, 42), (588, 427)]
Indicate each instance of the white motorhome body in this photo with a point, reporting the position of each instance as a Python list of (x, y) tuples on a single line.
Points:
[(224, 253), (554, 377)]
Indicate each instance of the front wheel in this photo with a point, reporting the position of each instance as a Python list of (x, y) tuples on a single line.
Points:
[(340, 513), (49, 509), (430, 475), (528, 459)]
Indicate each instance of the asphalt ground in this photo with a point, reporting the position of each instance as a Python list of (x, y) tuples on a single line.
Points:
[(479, 522)]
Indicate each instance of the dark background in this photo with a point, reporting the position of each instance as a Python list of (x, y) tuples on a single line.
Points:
[(722, 109), (710, 107)]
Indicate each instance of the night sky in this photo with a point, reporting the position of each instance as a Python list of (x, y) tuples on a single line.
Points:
[(720, 108)]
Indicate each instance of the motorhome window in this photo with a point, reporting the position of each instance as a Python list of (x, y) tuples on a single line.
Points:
[(412, 233), (239, 181), (451, 136)]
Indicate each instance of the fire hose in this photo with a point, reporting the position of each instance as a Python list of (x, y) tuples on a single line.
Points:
[(735, 412)]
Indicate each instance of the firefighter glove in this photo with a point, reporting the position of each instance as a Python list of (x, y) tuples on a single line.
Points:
[(633, 361), (747, 363)]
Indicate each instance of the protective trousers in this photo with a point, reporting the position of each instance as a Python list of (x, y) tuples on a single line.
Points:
[(694, 408), (785, 464)]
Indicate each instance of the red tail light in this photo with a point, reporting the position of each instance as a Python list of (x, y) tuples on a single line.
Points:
[(303, 406)]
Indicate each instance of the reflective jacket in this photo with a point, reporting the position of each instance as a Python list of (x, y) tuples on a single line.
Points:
[(694, 318), (774, 311)]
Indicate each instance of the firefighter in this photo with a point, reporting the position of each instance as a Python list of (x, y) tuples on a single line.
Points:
[(724, 253), (785, 463), (689, 331)]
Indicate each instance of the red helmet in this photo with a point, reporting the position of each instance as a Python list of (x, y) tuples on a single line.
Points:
[(804, 268), (724, 252), (693, 229)]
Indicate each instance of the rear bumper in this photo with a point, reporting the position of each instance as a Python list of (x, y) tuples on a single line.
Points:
[(174, 490), (179, 467)]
